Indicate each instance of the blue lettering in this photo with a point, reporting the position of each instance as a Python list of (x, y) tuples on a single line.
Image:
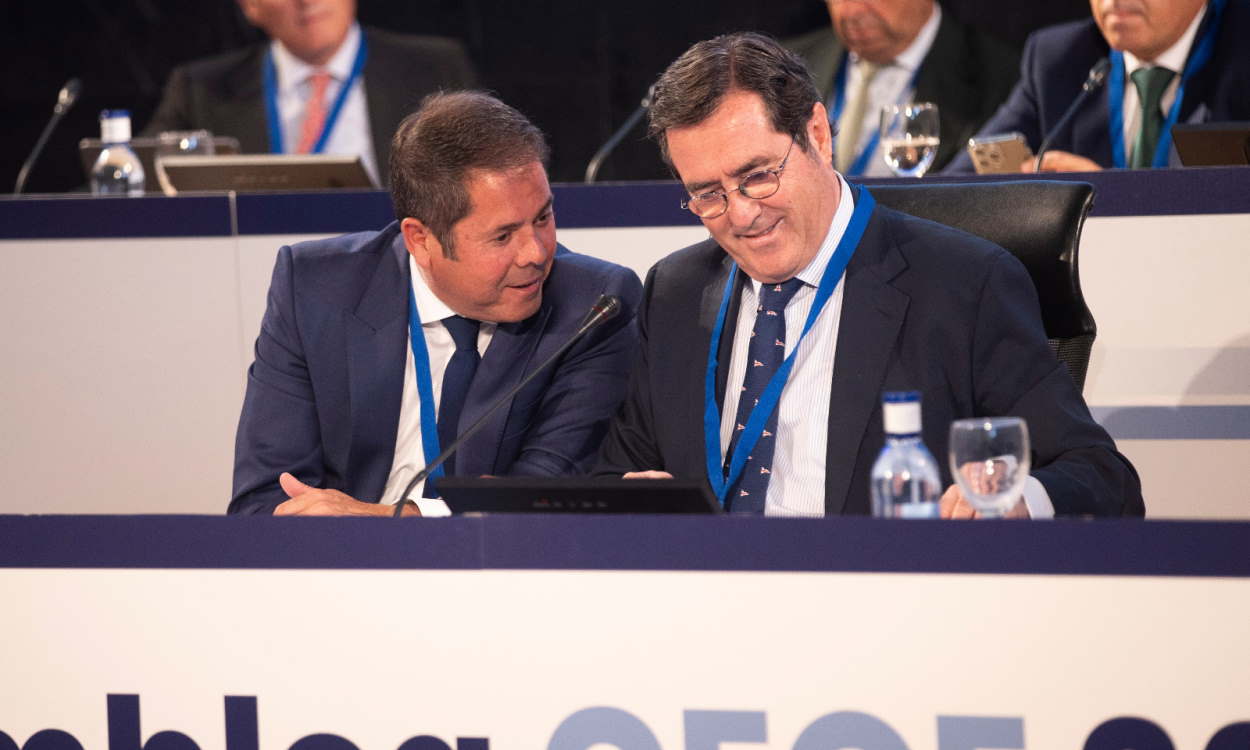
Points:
[(1122, 732), (242, 732), (980, 732), (705, 730), (603, 725), (849, 729), (1232, 737), (324, 742), (45, 739), (123, 724), (424, 742)]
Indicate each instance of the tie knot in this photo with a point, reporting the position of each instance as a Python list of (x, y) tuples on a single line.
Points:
[(775, 297), (867, 69), (1150, 83), (463, 331), (319, 79)]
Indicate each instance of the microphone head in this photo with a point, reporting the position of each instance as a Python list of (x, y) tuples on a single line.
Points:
[(68, 95), (607, 306), (1097, 74)]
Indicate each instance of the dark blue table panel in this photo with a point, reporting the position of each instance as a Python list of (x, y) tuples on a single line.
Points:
[(1162, 192), (657, 543)]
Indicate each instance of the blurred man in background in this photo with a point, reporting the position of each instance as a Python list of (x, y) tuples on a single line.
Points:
[(322, 84), (1171, 61), (880, 52)]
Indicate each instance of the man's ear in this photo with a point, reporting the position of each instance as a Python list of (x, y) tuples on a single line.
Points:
[(820, 133), (420, 241), (249, 11)]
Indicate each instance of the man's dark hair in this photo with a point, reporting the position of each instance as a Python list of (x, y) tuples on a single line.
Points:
[(691, 89), (436, 146)]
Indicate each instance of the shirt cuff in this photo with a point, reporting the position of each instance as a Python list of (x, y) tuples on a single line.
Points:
[(1036, 499), (434, 507)]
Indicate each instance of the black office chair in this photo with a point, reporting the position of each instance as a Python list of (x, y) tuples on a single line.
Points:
[(1039, 222)]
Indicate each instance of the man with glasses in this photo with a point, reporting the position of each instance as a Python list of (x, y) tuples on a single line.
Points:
[(765, 349)]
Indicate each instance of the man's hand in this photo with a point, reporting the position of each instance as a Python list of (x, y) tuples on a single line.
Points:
[(954, 505), (1061, 161), (649, 474), (310, 501)]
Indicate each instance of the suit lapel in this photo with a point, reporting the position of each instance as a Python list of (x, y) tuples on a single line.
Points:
[(377, 334), (942, 79), (872, 316), (385, 107), (709, 307), (238, 108)]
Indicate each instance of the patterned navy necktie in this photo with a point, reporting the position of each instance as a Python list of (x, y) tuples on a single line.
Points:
[(456, 380), (766, 353)]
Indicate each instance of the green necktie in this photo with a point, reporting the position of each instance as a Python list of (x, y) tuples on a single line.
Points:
[(1150, 83)]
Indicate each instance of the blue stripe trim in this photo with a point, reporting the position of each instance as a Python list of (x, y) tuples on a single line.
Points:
[(720, 543), (314, 212), (1174, 422), (87, 216), (623, 204)]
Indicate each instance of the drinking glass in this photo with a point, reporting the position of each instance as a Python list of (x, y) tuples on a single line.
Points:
[(909, 137), (989, 458)]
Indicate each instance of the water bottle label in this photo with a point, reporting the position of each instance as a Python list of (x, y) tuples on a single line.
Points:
[(917, 510)]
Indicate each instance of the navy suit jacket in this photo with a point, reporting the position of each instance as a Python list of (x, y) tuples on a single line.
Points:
[(225, 94), (1056, 63), (925, 307), (324, 393)]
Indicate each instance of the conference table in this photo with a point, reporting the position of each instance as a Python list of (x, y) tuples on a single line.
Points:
[(581, 632), (129, 324)]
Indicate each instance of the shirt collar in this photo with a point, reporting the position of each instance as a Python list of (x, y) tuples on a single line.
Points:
[(1173, 58), (811, 274), (910, 58), (430, 308), (293, 71)]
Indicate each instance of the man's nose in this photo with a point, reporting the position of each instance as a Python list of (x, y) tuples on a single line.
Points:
[(742, 211)]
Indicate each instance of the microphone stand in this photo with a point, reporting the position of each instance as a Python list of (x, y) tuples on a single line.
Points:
[(592, 169), (1097, 75), (64, 100), (607, 306)]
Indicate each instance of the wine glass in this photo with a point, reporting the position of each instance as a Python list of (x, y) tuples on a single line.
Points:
[(909, 137), (989, 458)]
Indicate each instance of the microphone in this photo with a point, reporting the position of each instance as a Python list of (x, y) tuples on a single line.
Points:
[(1094, 81), (592, 169), (64, 100), (606, 307)]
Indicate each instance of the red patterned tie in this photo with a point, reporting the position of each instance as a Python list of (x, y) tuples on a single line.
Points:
[(314, 113)]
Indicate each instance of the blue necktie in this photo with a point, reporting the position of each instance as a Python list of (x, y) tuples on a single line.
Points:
[(456, 380), (764, 355)]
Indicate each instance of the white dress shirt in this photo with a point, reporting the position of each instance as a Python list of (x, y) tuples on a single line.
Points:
[(351, 135), (891, 85), (409, 450), (796, 486), (1173, 58)]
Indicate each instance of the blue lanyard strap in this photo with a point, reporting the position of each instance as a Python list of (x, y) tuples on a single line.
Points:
[(425, 387), (720, 479), (270, 79), (1202, 52), (839, 101)]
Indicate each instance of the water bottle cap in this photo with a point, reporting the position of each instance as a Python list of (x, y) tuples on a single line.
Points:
[(901, 412), (115, 126)]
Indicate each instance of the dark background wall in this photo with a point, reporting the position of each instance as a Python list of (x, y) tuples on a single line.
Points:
[(576, 67)]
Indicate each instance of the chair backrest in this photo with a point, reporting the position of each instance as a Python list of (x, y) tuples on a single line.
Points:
[(1039, 222)]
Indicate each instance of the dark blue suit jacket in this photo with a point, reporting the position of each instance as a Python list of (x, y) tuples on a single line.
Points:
[(1056, 63), (323, 396), (925, 307)]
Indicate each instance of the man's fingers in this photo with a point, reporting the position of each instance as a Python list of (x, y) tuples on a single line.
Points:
[(954, 505), (649, 474), (292, 486)]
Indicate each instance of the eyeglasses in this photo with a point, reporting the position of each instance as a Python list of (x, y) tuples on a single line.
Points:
[(756, 186)]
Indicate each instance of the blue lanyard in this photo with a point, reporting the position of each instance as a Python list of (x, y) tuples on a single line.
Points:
[(425, 387), (270, 77), (839, 101), (1115, 94), (720, 479)]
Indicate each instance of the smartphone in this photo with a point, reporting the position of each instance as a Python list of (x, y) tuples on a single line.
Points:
[(999, 154)]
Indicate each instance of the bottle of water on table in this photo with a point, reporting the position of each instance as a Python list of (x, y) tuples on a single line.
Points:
[(117, 171), (905, 478)]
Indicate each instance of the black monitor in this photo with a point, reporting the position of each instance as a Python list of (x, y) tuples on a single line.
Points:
[(575, 495), (1213, 144)]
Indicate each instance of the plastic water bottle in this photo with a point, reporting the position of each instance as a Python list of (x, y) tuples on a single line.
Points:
[(118, 170), (905, 478)]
